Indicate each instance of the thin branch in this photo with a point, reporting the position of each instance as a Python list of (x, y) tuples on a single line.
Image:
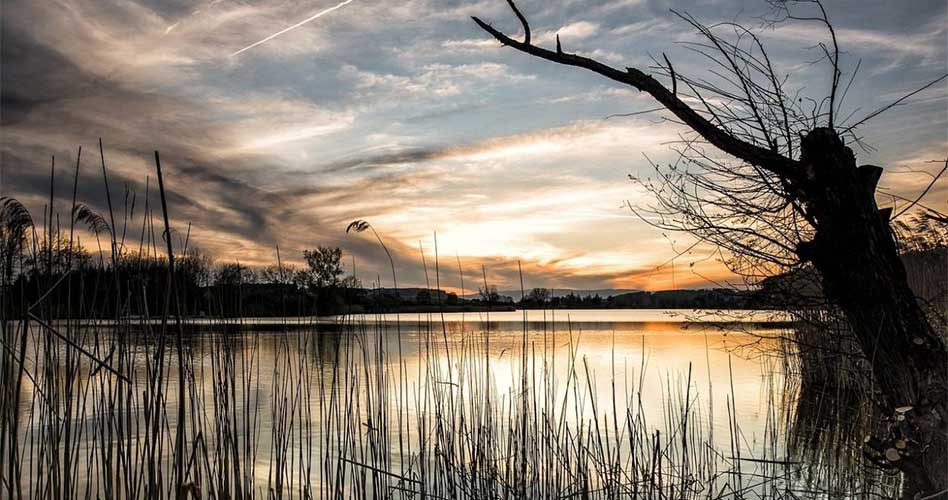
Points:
[(924, 192), (894, 104), (524, 23), (764, 158), (671, 70)]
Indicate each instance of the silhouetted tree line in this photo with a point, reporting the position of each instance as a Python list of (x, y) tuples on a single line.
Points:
[(67, 281), (70, 282), (76, 283), (720, 298)]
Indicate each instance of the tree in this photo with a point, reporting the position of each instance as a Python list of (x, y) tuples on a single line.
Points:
[(57, 256), (790, 195), (278, 274), (234, 274), (539, 296), (323, 267), (489, 294), (350, 282), (195, 268)]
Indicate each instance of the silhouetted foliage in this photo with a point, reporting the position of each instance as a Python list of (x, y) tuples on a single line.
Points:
[(324, 267), (489, 294), (538, 297), (233, 274), (788, 197)]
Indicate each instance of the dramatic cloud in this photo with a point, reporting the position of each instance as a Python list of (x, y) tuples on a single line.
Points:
[(407, 115)]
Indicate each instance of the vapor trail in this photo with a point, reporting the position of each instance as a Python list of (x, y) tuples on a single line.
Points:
[(297, 25)]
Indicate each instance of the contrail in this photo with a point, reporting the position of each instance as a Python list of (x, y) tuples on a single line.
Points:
[(297, 25)]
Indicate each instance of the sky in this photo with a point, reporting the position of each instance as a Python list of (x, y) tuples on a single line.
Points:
[(407, 115)]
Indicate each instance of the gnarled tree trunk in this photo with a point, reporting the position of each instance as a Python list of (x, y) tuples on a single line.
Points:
[(862, 273)]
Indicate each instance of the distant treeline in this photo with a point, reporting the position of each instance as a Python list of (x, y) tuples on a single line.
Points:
[(138, 286), (668, 299), (61, 280), (68, 282)]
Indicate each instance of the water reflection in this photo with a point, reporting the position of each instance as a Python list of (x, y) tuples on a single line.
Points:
[(277, 406)]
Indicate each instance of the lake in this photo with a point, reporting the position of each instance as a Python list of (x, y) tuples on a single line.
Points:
[(445, 405)]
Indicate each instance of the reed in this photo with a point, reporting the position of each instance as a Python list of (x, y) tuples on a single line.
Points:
[(306, 408)]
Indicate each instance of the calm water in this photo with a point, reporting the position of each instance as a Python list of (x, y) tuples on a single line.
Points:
[(319, 372), (730, 355)]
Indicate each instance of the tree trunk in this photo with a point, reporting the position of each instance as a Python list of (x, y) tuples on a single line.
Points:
[(862, 273)]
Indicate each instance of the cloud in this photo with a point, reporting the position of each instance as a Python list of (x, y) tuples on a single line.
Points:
[(433, 80), (922, 44), (405, 114), (579, 30), (470, 44), (582, 138)]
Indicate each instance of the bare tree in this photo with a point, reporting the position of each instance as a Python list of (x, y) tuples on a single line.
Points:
[(278, 274), (787, 194), (489, 294), (539, 296), (234, 274)]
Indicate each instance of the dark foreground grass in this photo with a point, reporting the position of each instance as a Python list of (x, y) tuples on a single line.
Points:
[(334, 411), (136, 400)]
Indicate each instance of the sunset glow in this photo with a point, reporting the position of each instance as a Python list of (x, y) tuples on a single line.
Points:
[(405, 114)]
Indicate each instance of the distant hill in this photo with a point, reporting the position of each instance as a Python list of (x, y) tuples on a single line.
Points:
[(716, 298), (562, 292)]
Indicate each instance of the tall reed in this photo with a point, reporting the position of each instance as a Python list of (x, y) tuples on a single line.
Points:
[(339, 408)]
